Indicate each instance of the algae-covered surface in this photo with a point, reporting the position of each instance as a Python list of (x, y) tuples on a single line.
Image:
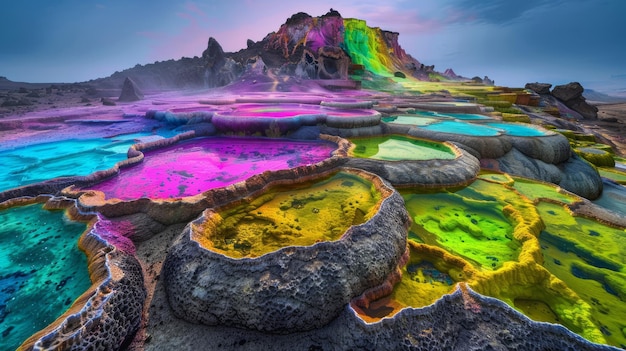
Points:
[(396, 147), (299, 215), (429, 274), (613, 174), (590, 258), (42, 270), (470, 222), (537, 190)]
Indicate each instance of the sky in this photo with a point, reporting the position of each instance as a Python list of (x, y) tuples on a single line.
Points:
[(511, 41)]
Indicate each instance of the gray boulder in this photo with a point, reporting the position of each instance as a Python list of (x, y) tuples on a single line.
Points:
[(572, 96), (539, 88), (568, 92)]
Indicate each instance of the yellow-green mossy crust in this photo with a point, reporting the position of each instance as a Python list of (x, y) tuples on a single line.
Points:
[(515, 117), (292, 289), (598, 157)]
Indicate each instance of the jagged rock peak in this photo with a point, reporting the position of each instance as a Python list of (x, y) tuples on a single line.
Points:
[(331, 13), (450, 73), (213, 56), (297, 18), (213, 49), (130, 92)]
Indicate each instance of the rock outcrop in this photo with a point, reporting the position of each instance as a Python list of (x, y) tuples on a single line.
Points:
[(450, 73), (570, 95), (219, 70), (130, 91), (292, 289), (539, 88)]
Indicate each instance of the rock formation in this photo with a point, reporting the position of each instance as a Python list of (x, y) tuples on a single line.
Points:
[(539, 88), (450, 73), (323, 47), (572, 95), (219, 70), (296, 288), (130, 92)]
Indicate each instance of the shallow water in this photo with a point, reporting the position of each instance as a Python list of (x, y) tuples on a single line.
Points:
[(456, 127), (194, 166), (422, 284), (411, 120), (468, 116), (537, 190), (298, 215), (469, 223), (42, 270), (396, 148), (40, 162), (613, 197), (590, 258), (518, 129)]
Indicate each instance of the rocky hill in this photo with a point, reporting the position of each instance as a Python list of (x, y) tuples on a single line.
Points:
[(325, 47)]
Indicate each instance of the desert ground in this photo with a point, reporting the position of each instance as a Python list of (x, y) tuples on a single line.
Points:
[(611, 124)]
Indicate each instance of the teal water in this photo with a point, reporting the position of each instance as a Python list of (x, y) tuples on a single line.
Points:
[(441, 115), (463, 128), (517, 129), (40, 162), (411, 120), (467, 116), (42, 270), (430, 114)]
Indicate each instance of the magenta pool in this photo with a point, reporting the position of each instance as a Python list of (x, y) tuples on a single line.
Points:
[(195, 166)]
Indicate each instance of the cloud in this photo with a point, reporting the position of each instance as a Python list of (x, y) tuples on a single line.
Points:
[(500, 12), (398, 18)]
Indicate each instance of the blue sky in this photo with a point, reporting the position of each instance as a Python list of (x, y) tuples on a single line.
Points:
[(512, 42)]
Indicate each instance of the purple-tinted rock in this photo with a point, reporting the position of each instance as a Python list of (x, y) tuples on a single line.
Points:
[(586, 110), (450, 73)]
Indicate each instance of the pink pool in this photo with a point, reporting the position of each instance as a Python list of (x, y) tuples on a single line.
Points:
[(281, 118), (198, 165)]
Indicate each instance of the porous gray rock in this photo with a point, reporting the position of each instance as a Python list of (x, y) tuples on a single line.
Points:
[(130, 91), (460, 321), (294, 288)]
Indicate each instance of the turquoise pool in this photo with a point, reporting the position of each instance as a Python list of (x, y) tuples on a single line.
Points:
[(42, 270), (457, 127), (518, 129)]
